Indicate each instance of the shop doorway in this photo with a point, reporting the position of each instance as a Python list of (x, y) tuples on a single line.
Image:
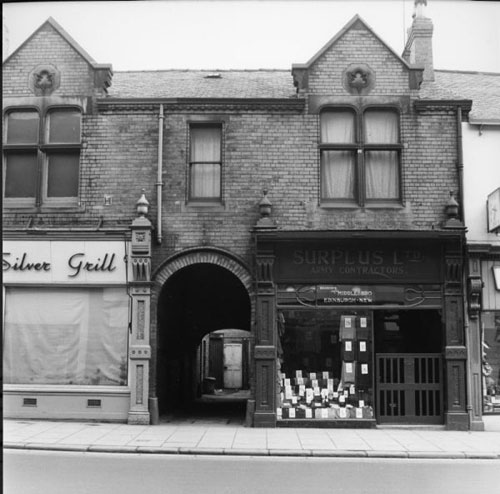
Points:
[(409, 367), (196, 306)]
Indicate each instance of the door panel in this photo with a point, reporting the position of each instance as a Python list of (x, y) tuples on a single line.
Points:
[(409, 388), (233, 376)]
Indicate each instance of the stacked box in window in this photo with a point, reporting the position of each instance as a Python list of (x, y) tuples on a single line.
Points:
[(321, 413), (349, 372), (364, 375), (363, 328), (363, 351), (347, 327), (348, 351)]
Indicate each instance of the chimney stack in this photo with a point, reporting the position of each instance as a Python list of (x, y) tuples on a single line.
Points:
[(418, 49), (5, 39)]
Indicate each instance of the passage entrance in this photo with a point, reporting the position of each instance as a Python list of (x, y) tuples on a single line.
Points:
[(196, 301)]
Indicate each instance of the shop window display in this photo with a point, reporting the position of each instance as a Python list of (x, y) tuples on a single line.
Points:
[(325, 365), (66, 336), (491, 362)]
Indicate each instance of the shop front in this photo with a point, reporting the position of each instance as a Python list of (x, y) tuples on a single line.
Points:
[(484, 329), (66, 329), (483, 323), (354, 331)]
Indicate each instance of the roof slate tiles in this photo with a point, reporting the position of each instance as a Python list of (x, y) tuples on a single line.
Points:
[(203, 84), (482, 88)]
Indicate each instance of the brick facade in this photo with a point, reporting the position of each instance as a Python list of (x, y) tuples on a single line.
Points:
[(277, 150), (268, 143)]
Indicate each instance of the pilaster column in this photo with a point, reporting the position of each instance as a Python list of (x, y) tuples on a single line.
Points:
[(474, 361), (455, 354), (265, 322), (265, 343), (139, 348)]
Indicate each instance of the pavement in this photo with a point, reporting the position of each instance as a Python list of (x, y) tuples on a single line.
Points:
[(229, 436)]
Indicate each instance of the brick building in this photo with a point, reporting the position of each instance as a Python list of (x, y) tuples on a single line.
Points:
[(145, 210)]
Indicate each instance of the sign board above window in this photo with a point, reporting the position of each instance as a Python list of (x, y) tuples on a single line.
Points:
[(64, 262), (493, 205)]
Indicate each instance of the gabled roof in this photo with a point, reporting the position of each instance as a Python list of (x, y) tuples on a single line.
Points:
[(355, 20), (203, 84), (60, 30)]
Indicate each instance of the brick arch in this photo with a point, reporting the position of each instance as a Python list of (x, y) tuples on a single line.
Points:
[(203, 255), (181, 260)]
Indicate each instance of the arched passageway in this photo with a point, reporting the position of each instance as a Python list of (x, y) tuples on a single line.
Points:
[(195, 300)]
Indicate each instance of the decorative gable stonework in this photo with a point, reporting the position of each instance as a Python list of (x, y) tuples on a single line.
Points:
[(44, 80), (358, 79), (356, 62), (51, 63), (358, 47)]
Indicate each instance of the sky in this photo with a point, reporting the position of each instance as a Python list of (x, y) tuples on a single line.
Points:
[(245, 34)]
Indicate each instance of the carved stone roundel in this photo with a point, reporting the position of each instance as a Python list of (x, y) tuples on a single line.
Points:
[(358, 79), (44, 79)]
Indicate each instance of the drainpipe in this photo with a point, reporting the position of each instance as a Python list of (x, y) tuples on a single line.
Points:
[(460, 165), (468, 377), (460, 170), (159, 183)]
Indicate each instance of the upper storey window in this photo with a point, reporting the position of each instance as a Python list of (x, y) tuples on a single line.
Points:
[(42, 157), (360, 156), (205, 163)]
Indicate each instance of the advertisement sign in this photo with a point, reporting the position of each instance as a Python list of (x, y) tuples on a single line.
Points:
[(493, 205), (335, 295), (63, 262)]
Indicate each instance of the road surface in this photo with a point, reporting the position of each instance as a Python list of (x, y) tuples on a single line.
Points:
[(56, 472)]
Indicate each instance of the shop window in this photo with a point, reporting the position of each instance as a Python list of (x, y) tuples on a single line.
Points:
[(360, 156), (42, 157), (491, 362), (325, 365), (205, 163), (66, 336)]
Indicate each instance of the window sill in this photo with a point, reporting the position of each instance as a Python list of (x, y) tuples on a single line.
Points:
[(204, 205), (13, 204), (368, 205), (339, 205), (61, 208), (384, 205)]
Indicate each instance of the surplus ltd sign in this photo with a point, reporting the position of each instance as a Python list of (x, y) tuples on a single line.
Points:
[(369, 262)]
